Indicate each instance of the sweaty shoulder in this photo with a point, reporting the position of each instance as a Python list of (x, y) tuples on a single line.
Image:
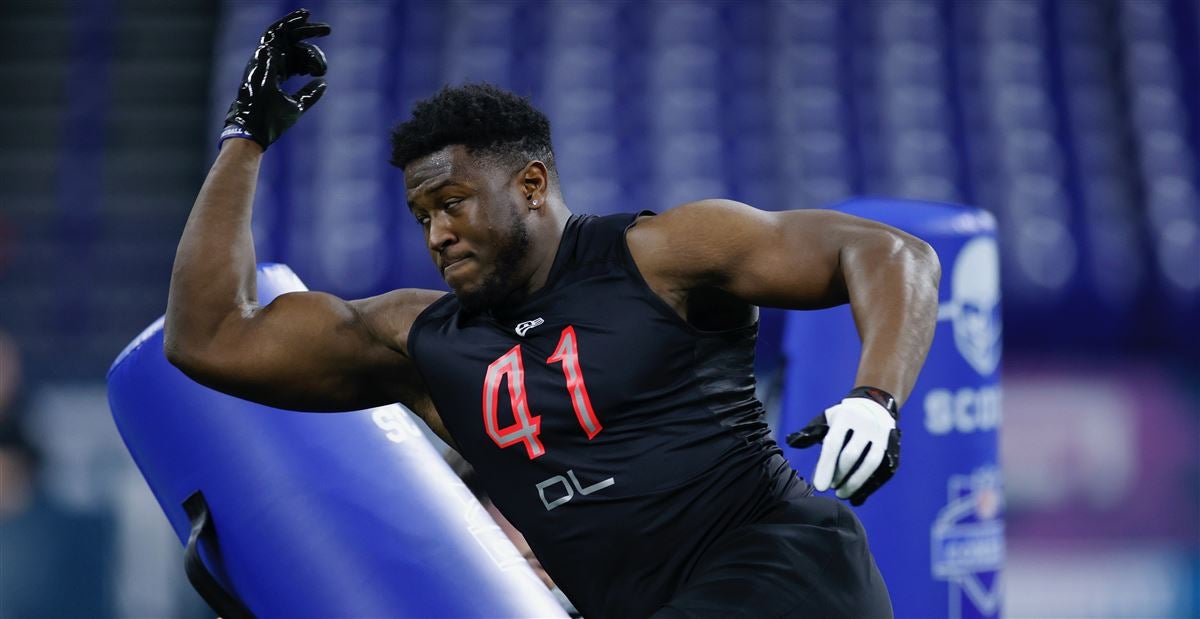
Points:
[(686, 246), (689, 254), (390, 316)]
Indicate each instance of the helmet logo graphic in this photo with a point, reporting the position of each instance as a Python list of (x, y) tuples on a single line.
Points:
[(974, 305)]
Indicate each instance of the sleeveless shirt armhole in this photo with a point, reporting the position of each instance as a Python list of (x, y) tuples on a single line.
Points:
[(421, 318), (657, 301)]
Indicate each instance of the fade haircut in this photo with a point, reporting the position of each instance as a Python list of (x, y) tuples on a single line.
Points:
[(489, 121)]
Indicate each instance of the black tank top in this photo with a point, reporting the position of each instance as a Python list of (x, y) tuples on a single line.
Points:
[(619, 439)]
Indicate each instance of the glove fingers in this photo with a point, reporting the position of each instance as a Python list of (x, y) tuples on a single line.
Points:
[(309, 60), (878, 479), (290, 20), (849, 459), (830, 448), (874, 456), (891, 462), (268, 73), (308, 96), (811, 434), (308, 31)]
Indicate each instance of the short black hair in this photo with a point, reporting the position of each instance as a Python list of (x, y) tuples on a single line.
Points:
[(486, 119)]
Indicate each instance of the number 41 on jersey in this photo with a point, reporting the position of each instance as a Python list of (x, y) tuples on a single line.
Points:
[(527, 425)]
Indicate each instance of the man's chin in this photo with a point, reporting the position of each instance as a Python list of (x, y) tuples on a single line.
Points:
[(474, 299)]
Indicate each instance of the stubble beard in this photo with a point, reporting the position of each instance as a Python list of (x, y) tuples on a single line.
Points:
[(500, 282)]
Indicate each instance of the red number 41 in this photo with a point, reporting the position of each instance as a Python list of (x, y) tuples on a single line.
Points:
[(527, 426)]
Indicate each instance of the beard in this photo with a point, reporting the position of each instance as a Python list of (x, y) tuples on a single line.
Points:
[(500, 282)]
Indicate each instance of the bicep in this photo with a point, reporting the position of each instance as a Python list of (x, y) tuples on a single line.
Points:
[(307, 351), (788, 259)]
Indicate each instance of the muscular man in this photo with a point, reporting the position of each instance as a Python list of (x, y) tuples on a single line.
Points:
[(596, 371)]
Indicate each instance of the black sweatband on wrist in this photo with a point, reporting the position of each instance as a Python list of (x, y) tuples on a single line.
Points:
[(879, 396)]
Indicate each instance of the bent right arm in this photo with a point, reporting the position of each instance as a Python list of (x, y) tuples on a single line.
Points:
[(306, 351)]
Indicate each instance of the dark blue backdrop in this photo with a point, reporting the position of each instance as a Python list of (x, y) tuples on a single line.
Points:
[(1071, 121)]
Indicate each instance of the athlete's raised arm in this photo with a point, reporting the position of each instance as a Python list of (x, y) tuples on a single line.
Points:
[(807, 259), (303, 351)]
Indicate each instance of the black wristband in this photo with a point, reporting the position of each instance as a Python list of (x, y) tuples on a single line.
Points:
[(879, 396)]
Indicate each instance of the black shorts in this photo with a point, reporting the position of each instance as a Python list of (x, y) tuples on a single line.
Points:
[(808, 558)]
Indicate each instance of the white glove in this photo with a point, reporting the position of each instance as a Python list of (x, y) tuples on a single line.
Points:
[(856, 428)]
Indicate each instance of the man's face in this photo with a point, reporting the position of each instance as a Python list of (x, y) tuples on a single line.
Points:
[(472, 212)]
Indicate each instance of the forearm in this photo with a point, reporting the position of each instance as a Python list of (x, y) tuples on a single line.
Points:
[(892, 281), (214, 271)]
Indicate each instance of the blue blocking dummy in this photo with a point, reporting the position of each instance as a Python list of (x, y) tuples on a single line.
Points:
[(936, 528), (289, 514)]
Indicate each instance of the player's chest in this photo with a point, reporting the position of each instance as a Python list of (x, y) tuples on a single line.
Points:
[(560, 372)]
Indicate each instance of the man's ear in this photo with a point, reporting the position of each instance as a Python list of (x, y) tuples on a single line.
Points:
[(535, 182)]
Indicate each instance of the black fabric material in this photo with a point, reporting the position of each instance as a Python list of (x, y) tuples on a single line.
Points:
[(807, 559), (220, 600), (684, 441), (878, 396)]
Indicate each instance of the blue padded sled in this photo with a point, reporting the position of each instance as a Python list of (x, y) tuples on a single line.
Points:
[(294, 514)]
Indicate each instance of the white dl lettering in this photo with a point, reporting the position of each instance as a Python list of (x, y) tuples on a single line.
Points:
[(963, 410), (571, 485)]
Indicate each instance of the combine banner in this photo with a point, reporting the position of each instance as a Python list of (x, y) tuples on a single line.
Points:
[(937, 527)]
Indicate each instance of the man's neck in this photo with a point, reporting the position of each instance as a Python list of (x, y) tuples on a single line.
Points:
[(544, 254)]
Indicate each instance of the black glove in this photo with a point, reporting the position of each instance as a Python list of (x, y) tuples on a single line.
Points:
[(863, 449), (262, 112)]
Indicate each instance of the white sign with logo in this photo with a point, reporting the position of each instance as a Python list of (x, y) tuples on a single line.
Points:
[(967, 543), (974, 305)]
